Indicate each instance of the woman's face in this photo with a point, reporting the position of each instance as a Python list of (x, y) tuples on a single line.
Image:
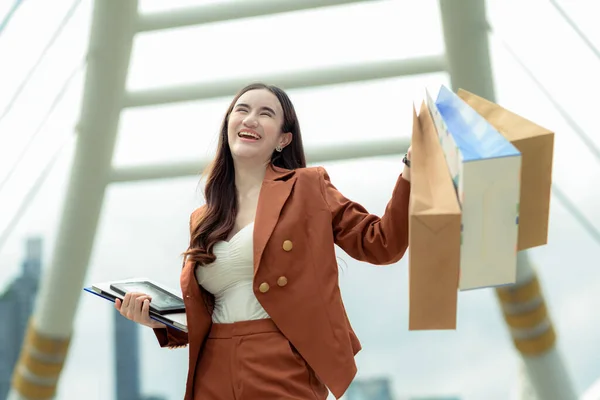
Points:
[(254, 128)]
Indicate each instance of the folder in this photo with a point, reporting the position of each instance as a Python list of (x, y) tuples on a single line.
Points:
[(103, 290)]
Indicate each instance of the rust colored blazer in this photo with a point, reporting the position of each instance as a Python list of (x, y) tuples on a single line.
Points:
[(300, 216)]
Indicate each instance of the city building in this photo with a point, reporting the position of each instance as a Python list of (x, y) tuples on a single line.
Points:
[(370, 389), (127, 371), (127, 361), (16, 307)]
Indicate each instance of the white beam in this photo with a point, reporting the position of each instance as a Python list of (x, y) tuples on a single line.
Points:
[(109, 50), (299, 79), (108, 63), (227, 11), (314, 154), (467, 47)]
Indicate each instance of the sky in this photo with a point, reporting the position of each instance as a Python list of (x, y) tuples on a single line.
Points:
[(144, 226)]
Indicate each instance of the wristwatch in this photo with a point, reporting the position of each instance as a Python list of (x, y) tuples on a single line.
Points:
[(406, 161)]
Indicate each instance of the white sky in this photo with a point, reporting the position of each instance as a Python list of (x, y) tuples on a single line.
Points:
[(143, 228)]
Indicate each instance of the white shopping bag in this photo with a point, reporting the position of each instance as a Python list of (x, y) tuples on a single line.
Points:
[(485, 169)]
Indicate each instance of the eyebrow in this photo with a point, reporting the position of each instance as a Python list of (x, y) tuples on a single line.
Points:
[(262, 108)]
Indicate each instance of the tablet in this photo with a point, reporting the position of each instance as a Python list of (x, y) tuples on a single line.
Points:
[(163, 302)]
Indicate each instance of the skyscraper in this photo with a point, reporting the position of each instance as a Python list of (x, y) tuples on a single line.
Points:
[(127, 376), (370, 389), (16, 306), (127, 361)]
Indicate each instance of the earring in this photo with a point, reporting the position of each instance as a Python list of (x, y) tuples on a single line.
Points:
[(278, 148)]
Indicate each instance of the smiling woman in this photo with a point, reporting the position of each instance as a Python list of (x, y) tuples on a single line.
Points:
[(259, 117), (260, 276)]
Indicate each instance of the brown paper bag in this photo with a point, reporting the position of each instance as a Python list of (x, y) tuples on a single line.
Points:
[(434, 232), (536, 145)]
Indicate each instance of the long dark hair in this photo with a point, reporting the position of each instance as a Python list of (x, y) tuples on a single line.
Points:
[(218, 217)]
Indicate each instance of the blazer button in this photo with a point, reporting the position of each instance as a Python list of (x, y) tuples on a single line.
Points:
[(264, 287), (287, 245), (282, 281)]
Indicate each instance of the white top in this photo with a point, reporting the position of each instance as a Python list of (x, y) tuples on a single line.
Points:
[(229, 279)]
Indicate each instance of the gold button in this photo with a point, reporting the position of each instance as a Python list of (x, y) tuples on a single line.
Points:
[(287, 245), (264, 287), (282, 281)]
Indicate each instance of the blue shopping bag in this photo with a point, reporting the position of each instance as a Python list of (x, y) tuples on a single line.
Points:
[(485, 168)]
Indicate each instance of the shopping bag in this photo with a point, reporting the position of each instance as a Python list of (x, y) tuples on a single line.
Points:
[(536, 145), (485, 169), (434, 232)]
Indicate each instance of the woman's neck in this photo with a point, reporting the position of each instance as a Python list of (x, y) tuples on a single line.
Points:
[(249, 178)]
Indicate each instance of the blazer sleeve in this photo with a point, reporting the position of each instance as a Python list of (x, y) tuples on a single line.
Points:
[(364, 236), (171, 337)]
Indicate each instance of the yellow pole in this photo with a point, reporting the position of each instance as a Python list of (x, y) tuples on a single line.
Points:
[(40, 364), (533, 334)]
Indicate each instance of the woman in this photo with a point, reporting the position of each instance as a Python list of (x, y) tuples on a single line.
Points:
[(260, 278)]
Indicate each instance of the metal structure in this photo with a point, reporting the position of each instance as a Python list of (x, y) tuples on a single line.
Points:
[(114, 25), (466, 37), (534, 337), (49, 333)]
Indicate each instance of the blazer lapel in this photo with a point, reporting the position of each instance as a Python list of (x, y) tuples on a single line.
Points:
[(274, 192)]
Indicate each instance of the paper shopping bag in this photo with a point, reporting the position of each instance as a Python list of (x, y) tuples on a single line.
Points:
[(536, 145), (434, 232), (485, 168)]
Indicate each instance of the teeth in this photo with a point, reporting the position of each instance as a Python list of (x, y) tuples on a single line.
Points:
[(248, 134)]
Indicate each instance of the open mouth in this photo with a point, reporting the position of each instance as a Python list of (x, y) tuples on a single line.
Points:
[(248, 135)]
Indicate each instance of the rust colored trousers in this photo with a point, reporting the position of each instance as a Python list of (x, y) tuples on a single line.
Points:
[(253, 360)]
